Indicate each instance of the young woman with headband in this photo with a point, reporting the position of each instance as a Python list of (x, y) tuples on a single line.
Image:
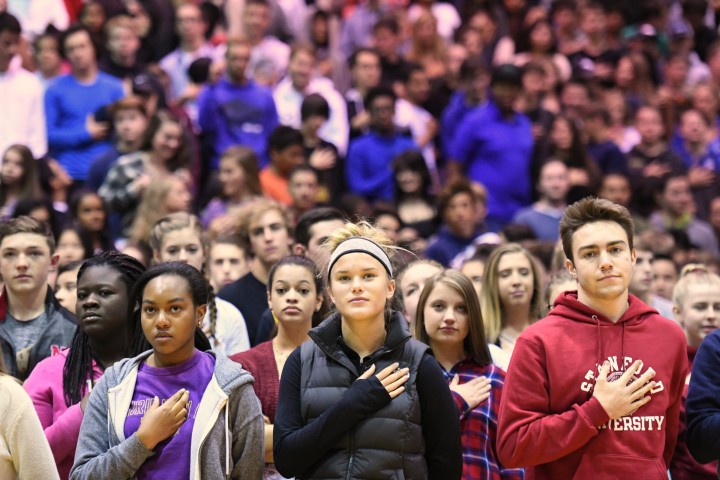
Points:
[(363, 399)]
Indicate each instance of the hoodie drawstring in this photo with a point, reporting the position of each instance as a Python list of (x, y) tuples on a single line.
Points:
[(227, 442)]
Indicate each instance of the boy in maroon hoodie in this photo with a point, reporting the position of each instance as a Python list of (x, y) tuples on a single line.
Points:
[(594, 389)]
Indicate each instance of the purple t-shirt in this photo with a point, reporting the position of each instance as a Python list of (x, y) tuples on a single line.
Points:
[(172, 456)]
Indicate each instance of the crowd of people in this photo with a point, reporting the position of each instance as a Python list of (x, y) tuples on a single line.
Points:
[(483, 236)]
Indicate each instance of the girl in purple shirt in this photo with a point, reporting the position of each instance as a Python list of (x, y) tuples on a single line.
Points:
[(173, 411)]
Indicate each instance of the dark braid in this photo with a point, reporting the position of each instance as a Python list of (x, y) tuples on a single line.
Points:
[(212, 309), (78, 367)]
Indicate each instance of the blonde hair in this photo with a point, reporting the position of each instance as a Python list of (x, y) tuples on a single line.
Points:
[(173, 222), (253, 211), (152, 207), (361, 229), (490, 303), (693, 275)]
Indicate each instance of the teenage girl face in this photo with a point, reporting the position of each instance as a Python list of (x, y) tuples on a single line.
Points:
[(232, 177), (409, 181), (292, 296), (12, 169), (66, 289), (227, 264), (360, 287), (700, 313), (446, 316), (47, 55), (102, 299), (169, 318), (515, 279), (541, 36), (474, 270), (167, 140), (91, 213), (182, 245), (411, 285), (561, 134), (178, 197), (69, 247)]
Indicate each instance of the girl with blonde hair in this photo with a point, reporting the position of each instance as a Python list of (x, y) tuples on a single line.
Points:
[(511, 295), (361, 384)]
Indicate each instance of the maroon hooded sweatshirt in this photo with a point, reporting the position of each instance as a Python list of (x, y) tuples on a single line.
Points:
[(549, 421)]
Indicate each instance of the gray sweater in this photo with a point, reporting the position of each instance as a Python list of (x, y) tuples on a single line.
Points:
[(227, 437)]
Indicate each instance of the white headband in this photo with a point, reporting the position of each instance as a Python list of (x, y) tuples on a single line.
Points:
[(362, 245)]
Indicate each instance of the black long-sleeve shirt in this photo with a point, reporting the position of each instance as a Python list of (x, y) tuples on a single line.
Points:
[(297, 446)]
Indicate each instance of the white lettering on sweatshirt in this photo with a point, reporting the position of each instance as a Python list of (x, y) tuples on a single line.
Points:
[(639, 423)]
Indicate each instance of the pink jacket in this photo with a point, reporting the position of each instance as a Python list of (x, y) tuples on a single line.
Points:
[(61, 424)]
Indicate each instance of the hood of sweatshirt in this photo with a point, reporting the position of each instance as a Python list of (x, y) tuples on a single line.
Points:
[(568, 306)]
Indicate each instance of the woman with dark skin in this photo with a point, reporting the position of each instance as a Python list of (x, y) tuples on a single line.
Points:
[(60, 385), (208, 421)]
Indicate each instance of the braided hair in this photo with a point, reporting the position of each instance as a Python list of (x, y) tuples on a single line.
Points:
[(78, 367), (180, 221), (197, 285)]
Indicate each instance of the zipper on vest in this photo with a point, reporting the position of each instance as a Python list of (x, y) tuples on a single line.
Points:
[(348, 475)]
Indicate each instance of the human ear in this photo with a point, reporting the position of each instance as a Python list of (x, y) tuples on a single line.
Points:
[(391, 289), (200, 313), (570, 266)]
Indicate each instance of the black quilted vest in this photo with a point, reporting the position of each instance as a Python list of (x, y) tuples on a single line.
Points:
[(388, 445)]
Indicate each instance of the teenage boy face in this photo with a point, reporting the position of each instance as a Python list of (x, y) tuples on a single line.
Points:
[(460, 214), (130, 125), (269, 237), (319, 233), (602, 260), (25, 260), (287, 159)]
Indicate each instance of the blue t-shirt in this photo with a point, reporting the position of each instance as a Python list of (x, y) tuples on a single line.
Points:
[(496, 152), (235, 114), (67, 106), (172, 456), (368, 169)]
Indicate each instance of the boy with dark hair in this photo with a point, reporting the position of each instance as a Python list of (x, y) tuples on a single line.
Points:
[(23, 119), (286, 151), (303, 187), (368, 169), (364, 65), (601, 377), (601, 148), (313, 228), (235, 110), (458, 204), (651, 159), (77, 133), (677, 212), (130, 120), (33, 324), (322, 155), (471, 94)]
